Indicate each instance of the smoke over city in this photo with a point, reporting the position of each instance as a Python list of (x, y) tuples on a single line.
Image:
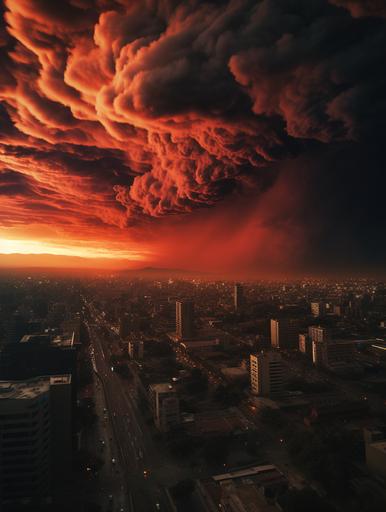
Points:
[(247, 129)]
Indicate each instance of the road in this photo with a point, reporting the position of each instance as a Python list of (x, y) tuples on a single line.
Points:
[(132, 462)]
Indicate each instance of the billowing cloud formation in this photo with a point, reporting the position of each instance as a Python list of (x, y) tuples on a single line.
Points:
[(115, 111), (359, 8)]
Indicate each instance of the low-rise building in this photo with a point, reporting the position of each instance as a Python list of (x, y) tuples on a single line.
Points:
[(244, 490), (333, 406)]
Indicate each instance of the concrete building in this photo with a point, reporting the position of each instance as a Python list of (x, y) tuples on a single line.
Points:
[(318, 309), (125, 326), (375, 449), (164, 403), (37, 355), (135, 349), (185, 319), (330, 353), (285, 333), (238, 296), (35, 438), (317, 333), (305, 345), (250, 489), (267, 374)]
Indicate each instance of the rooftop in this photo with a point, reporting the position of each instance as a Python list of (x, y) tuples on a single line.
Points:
[(164, 387), (64, 340), (31, 388), (36, 338)]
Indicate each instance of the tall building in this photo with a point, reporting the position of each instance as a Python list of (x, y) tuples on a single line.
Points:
[(135, 349), (319, 337), (124, 326), (318, 309), (285, 333), (305, 344), (238, 296), (332, 353), (164, 403), (317, 333), (35, 438), (267, 374), (185, 319)]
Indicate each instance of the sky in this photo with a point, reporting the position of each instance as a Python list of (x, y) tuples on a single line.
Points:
[(217, 135)]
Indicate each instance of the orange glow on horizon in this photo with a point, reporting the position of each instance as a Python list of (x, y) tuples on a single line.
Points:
[(27, 247)]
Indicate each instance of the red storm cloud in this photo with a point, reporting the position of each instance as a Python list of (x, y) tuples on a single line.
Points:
[(113, 111)]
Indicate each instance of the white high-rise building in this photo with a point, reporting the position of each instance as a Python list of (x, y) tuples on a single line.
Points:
[(267, 374)]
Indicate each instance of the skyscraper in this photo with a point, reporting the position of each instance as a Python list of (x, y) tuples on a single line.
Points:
[(35, 438), (238, 296), (185, 318), (267, 374)]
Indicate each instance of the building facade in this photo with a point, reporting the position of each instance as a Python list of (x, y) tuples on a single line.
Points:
[(35, 438), (329, 353), (185, 319), (238, 296), (135, 349), (267, 374), (305, 345), (285, 333), (165, 406)]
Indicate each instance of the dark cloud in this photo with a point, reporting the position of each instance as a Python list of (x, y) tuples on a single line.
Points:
[(13, 183), (122, 110), (361, 8)]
